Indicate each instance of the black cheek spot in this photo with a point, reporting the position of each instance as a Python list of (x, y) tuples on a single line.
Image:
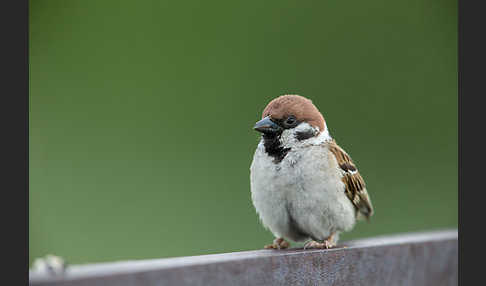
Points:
[(303, 135)]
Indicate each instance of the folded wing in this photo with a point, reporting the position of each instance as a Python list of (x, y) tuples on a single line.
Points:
[(355, 185)]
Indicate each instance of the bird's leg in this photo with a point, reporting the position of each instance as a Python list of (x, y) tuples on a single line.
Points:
[(327, 243), (278, 243)]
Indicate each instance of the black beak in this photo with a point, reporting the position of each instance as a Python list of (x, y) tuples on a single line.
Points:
[(267, 126)]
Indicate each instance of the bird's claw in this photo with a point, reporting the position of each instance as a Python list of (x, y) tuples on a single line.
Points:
[(278, 243), (326, 244)]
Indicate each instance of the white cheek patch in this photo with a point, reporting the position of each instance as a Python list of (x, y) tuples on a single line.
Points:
[(289, 136), (324, 136), (304, 127)]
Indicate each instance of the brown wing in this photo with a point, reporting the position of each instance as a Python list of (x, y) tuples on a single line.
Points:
[(355, 185)]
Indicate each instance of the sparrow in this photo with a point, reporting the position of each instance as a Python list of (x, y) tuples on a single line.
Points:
[(304, 186)]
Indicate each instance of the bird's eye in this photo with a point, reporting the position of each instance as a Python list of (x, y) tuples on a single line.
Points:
[(290, 121)]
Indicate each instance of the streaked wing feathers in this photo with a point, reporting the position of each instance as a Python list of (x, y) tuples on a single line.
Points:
[(355, 185)]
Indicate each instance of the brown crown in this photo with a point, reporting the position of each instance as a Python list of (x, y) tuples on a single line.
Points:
[(302, 108)]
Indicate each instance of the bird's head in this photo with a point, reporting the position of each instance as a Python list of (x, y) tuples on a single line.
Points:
[(293, 119)]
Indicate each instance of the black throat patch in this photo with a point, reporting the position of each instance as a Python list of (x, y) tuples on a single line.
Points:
[(274, 148)]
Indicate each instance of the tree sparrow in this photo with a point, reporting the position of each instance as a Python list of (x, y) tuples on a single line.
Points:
[(303, 185)]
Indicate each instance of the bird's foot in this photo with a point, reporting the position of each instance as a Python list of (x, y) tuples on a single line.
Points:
[(278, 243), (326, 244)]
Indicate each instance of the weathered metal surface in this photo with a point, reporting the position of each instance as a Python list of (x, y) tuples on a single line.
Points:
[(409, 259)]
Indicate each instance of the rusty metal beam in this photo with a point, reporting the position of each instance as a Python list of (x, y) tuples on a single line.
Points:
[(429, 258)]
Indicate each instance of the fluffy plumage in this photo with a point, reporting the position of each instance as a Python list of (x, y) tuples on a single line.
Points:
[(303, 185)]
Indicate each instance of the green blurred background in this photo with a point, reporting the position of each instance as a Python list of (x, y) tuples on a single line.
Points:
[(141, 116)]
